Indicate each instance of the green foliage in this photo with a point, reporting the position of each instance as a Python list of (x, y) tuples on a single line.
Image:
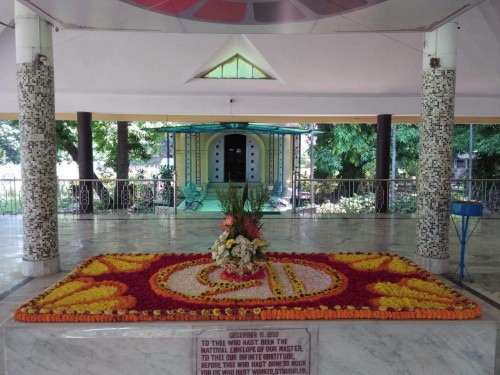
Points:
[(142, 144), (249, 203), (230, 201), (65, 132), (356, 204), (486, 146), (365, 204), (257, 198), (345, 151), (166, 172), (349, 150), (9, 142), (404, 204), (10, 199), (407, 138)]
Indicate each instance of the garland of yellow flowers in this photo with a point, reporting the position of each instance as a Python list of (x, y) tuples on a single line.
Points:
[(274, 281), (297, 285)]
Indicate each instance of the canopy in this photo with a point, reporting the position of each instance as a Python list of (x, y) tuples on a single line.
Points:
[(223, 127)]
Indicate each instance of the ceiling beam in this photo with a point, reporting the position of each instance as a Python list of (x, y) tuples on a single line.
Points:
[(344, 119)]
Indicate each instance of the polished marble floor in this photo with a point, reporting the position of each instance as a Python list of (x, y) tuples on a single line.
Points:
[(80, 237)]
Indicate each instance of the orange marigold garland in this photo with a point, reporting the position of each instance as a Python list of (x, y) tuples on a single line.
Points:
[(188, 287)]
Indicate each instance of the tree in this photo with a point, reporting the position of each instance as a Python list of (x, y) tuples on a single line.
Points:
[(142, 145), (486, 146), (407, 138), (9, 142), (66, 137), (345, 151), (349, 150), (122, 159), (122, 152)]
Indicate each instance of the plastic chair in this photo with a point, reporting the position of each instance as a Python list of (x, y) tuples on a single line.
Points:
[(190, 199), (197, 190)]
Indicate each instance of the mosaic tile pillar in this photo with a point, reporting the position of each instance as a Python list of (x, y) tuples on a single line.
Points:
[(435, 153), (35, 81)]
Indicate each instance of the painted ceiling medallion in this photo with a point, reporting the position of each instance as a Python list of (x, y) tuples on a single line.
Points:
[(252, 12)]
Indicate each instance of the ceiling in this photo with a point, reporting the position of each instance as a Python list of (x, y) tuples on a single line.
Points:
[(140, 58), (251, 16)]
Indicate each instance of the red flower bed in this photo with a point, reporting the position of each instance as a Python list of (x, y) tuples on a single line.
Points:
[(155, 287)]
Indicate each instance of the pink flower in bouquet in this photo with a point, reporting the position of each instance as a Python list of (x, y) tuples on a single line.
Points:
[(228, 223), (251, 229)]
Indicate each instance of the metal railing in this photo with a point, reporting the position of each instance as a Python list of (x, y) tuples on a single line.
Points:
[(77, 196), (356, 196), (326, 196), (384, 196), (10, 196)]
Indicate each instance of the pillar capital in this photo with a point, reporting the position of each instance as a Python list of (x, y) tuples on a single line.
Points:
[(440, 48), (33, 37)]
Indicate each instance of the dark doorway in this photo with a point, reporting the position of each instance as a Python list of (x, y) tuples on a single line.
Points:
[(235, 157)]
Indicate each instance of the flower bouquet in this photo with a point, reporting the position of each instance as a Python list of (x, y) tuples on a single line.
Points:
[(241, 245)]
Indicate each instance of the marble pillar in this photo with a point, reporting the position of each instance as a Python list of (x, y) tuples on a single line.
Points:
[(435, 153), (35, 81)]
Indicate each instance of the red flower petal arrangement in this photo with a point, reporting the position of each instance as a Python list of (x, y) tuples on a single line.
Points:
[(190, 287)]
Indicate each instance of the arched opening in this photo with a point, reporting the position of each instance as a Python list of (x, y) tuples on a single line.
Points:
[(235, 158)]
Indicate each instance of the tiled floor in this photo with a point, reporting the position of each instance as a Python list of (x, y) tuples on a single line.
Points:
[(80, 237)]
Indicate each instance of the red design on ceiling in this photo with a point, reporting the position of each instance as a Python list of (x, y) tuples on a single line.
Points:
[(252, 12)]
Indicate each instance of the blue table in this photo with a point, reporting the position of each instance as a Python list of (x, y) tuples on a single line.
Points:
[(465, 209)]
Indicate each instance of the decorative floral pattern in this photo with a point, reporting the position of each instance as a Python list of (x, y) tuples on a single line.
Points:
[(412, 293), (119, 263), (279, 282), (376, 262), (126, 287), (84, 295)]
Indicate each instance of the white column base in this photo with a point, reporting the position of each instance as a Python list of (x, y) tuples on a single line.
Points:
[(436, 266), (33, 268)]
